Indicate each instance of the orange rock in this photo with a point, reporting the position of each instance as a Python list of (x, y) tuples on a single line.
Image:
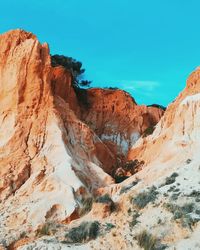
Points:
[(117, 119), (45, 162), (177, 131), (57, 143)]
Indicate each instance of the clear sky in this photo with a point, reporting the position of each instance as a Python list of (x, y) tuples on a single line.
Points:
[(147, 47)]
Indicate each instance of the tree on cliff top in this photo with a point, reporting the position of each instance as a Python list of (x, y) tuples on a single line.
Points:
[(74, 66)]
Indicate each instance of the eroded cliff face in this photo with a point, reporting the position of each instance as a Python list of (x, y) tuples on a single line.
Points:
[(55, 149), (116, 118), (158, 196), (112, 114), (45, 161), (176, 135), (162, 200), (24, 90), (59, 145)]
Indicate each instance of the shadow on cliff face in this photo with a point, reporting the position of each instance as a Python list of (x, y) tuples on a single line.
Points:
[(82, 97), (127, 169)]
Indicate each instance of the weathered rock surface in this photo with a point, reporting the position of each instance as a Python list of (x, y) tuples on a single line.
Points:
[(176, 135), (112, 114), (171, 166), (47, 165), (59, 144), (116, 118), (162, 200), (51, 156)]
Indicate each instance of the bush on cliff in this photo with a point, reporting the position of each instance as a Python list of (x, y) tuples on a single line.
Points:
[(74, 66), (77, 73), (86, 231)]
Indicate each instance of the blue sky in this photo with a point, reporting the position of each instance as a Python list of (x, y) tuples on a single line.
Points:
[(145, 47)]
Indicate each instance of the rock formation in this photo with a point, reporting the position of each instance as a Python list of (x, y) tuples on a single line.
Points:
[(60, 144), (116, 118), (159, 206), (177, 131), (54, 150)]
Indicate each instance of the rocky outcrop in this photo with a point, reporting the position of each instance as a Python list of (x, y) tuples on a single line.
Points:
[(178, 130), (45, 162), (170, 174), (58, 143), (112, 114), (117, 119), (67, 102)]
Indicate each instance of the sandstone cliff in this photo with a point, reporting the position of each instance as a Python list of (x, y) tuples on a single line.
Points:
[(158, 207), (59, 146), (117, 119), (178, 131), (54, 151), (45, 161)]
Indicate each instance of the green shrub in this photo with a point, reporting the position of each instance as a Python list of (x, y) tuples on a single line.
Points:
[(73, 66), (109, 226), (171, 179), (177, 214), (106, 199), (175, 196), (182, 213), (148, 131), (44, 230), (119, 179), (145, 197), (111, 88), (188, 161), (171, 207), (188, 208), (134, 219), (86, 231), (133, 166), (171, 189), (194, 193), (86, 206), (197, 211), (126, 188), (23, 235), (157, 106), (146, 240)]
